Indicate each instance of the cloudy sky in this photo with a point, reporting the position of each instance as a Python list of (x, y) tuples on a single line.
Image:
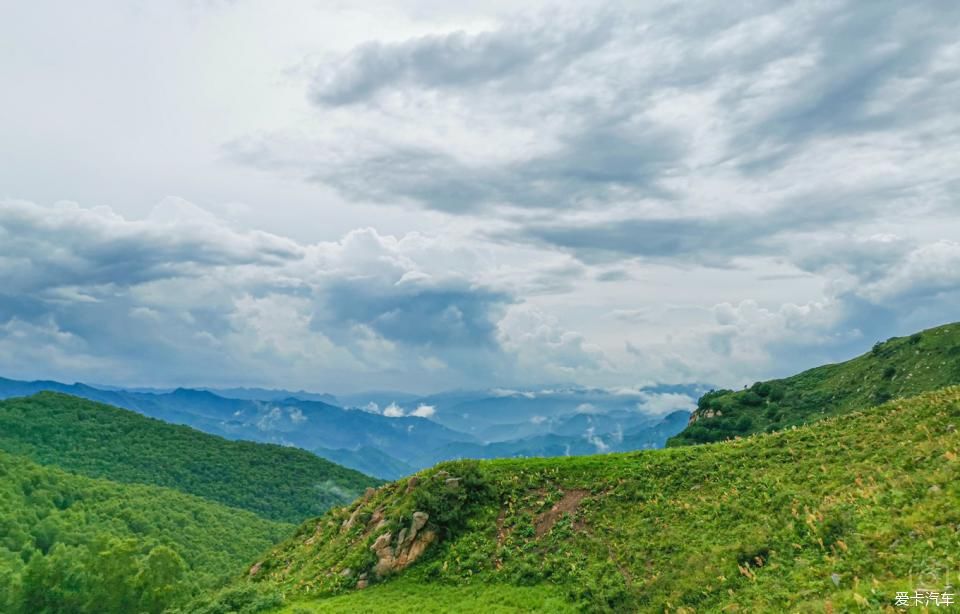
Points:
[(422, 195)]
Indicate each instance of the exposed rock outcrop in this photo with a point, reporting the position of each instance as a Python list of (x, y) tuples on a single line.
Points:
[(411, 543)]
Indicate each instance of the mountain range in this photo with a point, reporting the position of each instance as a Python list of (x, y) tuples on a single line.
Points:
[(390, 439)]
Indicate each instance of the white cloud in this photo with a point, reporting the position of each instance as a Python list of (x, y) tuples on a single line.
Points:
[(393, 411), (595, 440), (665, 402), (424, 411)]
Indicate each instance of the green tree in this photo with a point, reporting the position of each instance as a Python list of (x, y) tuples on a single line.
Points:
[(160, 573)]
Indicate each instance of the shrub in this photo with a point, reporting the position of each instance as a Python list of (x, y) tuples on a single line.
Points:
[(449, 504)]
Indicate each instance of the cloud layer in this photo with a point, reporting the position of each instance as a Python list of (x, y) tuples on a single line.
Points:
[(608, 195)]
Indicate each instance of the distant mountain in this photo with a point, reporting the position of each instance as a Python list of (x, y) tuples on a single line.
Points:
[(266, 394), (504, 415), (586, 440), (392, 432), (371, 461), (102, 441), (380, 398), (289, 422), (898, 367)]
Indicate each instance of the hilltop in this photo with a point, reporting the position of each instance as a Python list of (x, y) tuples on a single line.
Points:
[(835, 515), (276, 482), (898, 367)]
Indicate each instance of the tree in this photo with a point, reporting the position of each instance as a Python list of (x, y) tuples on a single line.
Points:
[(160, 571)]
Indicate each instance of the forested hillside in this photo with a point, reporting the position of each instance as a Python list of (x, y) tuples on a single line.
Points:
[(279, 483), (898, 367), (836, 516), (70, 543)]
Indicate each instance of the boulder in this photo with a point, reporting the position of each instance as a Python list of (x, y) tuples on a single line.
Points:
[(412, 483), (419, 520)]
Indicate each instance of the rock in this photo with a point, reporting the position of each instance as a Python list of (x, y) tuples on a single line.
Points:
[(382, 542), (385, 559), (362, 583), (835, 578), (442, 474), (255, 569), (418, 547), (412, 483), (419, 519), (346, 572), (452, 483), (401, 537), (933, 490)]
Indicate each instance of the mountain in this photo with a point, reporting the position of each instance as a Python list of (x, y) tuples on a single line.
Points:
[(832, 516), (275, 482), (503, 415), (898, 367), (70, 543), (590, 434), (371, 461), (445, 426), (265, 394), (288, 422)]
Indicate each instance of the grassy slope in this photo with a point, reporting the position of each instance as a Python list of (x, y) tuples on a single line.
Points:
[(844, 512), (279, 483), (43, 509), (899, 367)]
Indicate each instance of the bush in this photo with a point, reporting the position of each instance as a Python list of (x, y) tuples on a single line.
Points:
[(450, 504)]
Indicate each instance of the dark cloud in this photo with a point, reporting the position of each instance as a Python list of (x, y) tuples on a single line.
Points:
[(537, 52), (46, 248), (861, 52), (693, 240), (445, 316), (696, 112), (183, 299), (603, 160)]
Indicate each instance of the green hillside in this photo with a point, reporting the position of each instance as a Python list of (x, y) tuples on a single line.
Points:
[(276, 482), (899, 367), (70, 543), (836, 516)]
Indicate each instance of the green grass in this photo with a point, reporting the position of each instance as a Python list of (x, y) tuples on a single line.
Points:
[(276, 482), (410, 597), (896, 368), (835, 516)]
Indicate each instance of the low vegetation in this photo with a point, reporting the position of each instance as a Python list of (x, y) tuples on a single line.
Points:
[(898, 367), (279, 483), (835, 516)]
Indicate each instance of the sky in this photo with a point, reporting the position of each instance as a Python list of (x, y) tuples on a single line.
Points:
[(420, 195)]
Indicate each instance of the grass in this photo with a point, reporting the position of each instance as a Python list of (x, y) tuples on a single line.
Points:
[(410, 597), (897, 368), (836, 516)]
